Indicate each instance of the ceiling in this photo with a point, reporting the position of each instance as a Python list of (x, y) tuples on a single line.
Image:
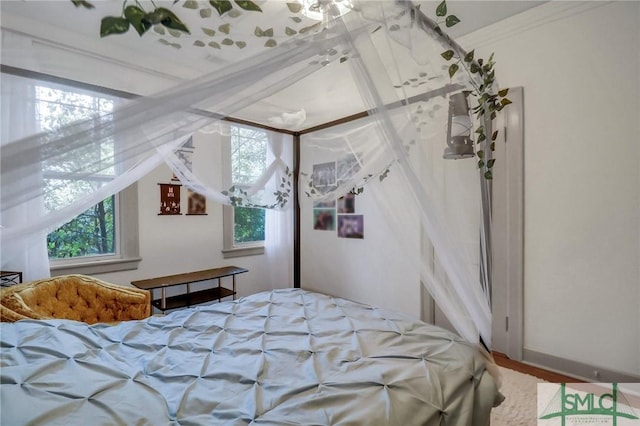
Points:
[(183, 57)]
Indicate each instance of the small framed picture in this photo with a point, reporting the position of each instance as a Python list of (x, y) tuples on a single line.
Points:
[(351, 226), (169, 199), (197, 204), (324, 219), (347, 204)]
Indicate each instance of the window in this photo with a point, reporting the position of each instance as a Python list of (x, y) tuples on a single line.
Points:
[(91, 242), (244, 228)]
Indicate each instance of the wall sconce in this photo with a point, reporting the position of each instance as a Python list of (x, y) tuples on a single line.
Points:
[(459, 143)]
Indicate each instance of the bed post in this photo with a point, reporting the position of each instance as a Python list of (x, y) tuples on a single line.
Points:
[(296, 211)]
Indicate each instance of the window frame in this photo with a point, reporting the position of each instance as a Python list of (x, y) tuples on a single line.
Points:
[(127, 246), (230, 248)]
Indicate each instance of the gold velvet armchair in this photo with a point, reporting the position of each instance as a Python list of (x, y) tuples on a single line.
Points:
[(76, 297)]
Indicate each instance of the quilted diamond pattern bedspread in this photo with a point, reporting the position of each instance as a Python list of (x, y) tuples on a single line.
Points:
[(287, 357)]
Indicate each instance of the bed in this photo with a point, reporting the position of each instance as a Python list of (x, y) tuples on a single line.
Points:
[(284, 357)]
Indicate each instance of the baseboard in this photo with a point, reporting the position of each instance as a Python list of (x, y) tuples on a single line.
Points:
[(586, 372)]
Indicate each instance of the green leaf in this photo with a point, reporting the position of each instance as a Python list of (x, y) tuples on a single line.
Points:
[(480, 129), (296, 19), (448, 54), (441, 10), (490, 163), (209, 32), (343, 59), (83, 3), (492, 146), (271, 43), (494, 136), (205, 13), (191, 4), (451, 21), (268, 32), (503, 93), (505, 101), (198, 43), (488, 175), (258, 32), (113, 25), (241, 44), (227, 42), (135, 16), (290, 31), (453, 69), (170, 20), (225, 28), (222, 6), (469, 56), (214, 45), (294, 7), (480, 154), (480, 164), (248, 5), (155, 17)]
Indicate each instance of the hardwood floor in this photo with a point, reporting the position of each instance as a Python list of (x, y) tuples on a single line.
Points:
[(550, 376)]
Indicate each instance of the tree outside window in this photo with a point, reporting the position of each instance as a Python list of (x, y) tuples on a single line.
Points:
[(94, 231), (248, 162)]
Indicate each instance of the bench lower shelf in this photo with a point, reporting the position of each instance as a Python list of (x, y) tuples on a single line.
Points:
[(194, 298)]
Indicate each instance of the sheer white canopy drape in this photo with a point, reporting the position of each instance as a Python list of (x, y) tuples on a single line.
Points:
[(389, 58)]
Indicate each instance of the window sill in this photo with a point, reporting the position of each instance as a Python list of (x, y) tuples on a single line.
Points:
[(242, 251), (97, 267)]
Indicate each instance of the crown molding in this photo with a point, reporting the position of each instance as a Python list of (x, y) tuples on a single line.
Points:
[(53, 37), (528, 20)]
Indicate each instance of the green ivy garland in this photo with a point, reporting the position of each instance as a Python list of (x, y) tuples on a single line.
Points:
[(238, 197), (487, 100), (134, 15)]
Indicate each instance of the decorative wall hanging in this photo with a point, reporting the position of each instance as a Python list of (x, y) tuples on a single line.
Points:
[(169, 199), (185, 154), (351, 226), (324, 177), (347, 167), (197, 204), (347, 204), (324, 219)]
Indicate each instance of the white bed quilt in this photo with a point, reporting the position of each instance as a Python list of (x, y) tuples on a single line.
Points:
[(287, 357)]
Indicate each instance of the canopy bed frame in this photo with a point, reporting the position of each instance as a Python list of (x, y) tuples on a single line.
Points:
[(286, 356)]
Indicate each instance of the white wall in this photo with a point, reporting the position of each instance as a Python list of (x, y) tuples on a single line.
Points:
[(371, 270), (176, 244), (579, 65)]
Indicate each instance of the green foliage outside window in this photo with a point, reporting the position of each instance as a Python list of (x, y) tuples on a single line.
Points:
[(93, 231), (90, 233), (248, 162), (248, 224)]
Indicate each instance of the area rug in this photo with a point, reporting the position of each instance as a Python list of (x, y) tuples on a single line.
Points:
[(520, 404)]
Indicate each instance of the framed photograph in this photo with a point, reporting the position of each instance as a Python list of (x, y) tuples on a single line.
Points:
[(324, 177), (185, 154), (351, 226), (347, 204), (169, 199), (331, 204), (347, 167), (324, 219), (197, 204)]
